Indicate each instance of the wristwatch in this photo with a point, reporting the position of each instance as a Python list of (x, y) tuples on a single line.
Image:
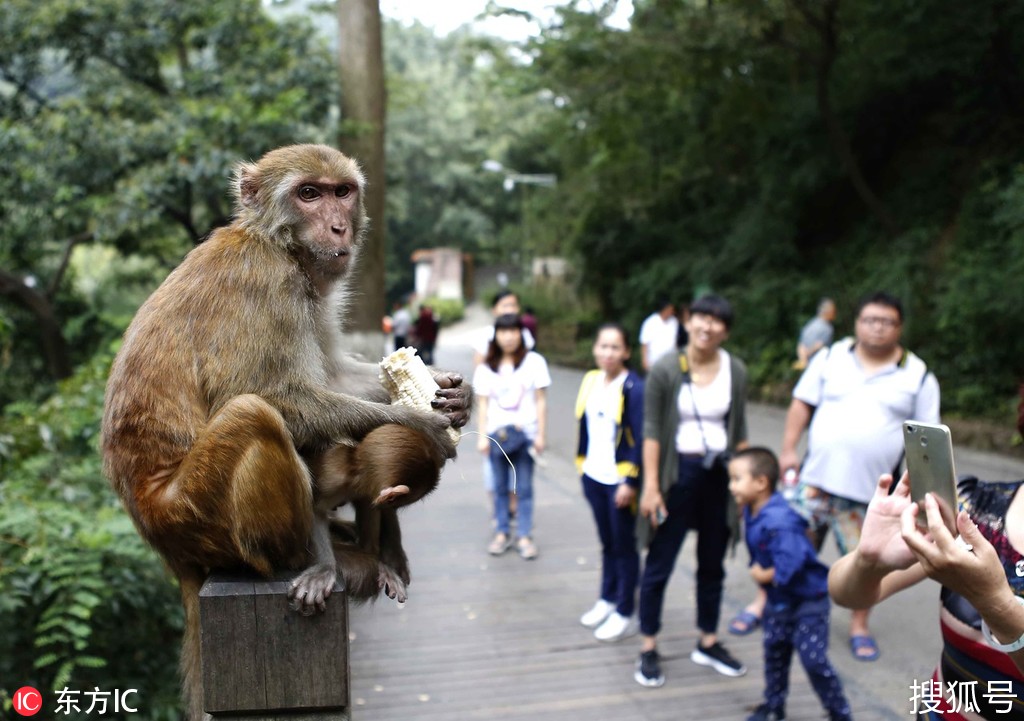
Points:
[(1004, 647)]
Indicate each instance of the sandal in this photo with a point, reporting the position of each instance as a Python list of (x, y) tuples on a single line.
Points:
[(527, 549), (744, 623), (864, 647), (499, 545)]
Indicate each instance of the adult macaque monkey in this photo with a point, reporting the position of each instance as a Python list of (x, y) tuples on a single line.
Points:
[(232, 425)]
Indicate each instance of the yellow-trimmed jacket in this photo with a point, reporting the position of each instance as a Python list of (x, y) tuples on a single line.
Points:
[(629, 423)]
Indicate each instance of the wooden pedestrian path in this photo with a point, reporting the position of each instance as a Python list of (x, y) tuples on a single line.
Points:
[(499, 638)]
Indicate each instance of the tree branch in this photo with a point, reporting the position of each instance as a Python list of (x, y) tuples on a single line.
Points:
[(69, 245), (51, 336), (184, 217)]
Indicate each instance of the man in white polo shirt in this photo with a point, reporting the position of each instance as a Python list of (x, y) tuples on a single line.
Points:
[(852, 400), (658, 334)]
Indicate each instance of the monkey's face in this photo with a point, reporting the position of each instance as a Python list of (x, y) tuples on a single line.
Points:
[(329, 212), (309, 199)]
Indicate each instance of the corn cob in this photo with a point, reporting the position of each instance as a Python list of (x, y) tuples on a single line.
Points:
[(409, 383)]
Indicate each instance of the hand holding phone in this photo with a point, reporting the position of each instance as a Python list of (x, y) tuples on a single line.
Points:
[(929, 452)]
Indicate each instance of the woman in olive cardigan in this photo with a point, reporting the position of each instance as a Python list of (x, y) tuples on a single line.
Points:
[(694, 413)]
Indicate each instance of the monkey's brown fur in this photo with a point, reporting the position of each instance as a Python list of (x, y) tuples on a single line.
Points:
[(232, 424), (388, 454)]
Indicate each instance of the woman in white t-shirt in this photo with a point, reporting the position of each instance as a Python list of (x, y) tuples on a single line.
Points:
[(610, 412), (510, 387)]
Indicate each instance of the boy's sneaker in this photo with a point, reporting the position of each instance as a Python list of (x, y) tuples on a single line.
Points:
[(719, 659), (839, 716), (648, 670), (597, 615), (616, 627), (764, 713)]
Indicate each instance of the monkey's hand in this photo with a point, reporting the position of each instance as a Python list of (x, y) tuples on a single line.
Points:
[(311, 589), (391, 584), (454, 399)]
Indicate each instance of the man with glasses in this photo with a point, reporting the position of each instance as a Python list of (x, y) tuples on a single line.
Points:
[(852, 401)]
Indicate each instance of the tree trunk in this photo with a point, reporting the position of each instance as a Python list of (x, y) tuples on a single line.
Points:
[(826, 28), (361, 66), (55, 348)]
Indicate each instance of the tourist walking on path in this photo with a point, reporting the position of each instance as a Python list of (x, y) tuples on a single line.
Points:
[(694, 412), (510, 387), (610, 411), (852, 401), (658, 334), (401, 324), (785, 565), (816, 333), (504, 302), (425, 330)]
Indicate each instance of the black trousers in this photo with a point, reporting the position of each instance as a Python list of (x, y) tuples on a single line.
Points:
[(698, 501)]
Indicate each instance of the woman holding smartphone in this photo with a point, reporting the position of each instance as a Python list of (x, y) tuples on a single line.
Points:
[(981, 614)]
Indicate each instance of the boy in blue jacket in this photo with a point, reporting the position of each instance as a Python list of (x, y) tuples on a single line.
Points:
[(783, 562)]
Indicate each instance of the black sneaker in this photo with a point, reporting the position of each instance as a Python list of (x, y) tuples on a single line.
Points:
[(764, 713), (648, 670), (719, 659)]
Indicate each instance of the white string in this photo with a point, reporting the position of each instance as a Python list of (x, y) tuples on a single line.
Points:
[(498, 444)]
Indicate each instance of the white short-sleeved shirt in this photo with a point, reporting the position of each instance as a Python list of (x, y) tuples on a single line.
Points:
[(601, 410), (712, 403), (856, 431), (511, 392), (401, 322), (659, 336)]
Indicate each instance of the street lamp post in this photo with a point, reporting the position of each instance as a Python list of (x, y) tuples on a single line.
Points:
[(512, 178)]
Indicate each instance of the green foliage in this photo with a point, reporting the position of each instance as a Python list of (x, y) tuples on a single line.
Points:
[(704, 149), (567, 322), (74, 572), (448, 112), (449, 310), (120, 121)]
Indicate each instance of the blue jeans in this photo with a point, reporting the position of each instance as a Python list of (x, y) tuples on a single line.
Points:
[(699, 500), (620, 562), (523, 464)]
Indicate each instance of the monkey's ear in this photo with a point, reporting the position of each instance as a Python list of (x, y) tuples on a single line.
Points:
[(247, 184), (390, 495)]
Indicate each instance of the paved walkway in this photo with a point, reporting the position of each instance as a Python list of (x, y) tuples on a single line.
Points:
[(499, 638)]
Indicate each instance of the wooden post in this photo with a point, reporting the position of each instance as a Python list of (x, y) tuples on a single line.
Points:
[(264, 662)]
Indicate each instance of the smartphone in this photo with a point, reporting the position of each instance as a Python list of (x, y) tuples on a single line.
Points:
[(929, 449)]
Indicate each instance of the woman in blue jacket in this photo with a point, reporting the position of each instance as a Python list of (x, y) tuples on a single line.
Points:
[(610, 411)]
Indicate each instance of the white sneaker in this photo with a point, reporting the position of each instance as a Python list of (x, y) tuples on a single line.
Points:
[(616, 628), (596, 616)]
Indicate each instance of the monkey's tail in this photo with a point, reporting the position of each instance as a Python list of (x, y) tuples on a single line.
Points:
[(191, 580)]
